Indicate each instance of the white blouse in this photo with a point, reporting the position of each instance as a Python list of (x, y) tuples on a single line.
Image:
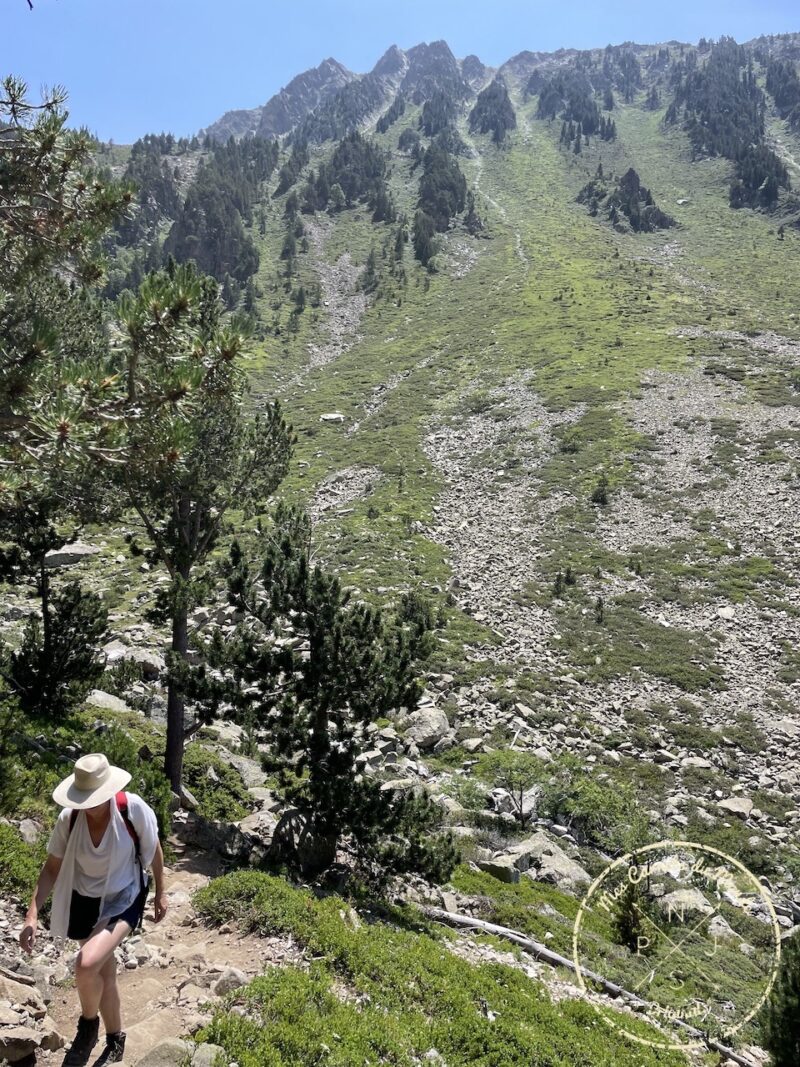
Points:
[(109, 870)]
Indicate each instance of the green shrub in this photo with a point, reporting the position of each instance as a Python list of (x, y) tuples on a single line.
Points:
[(217, 787), (19, 863), (605, 814), (377, 993)]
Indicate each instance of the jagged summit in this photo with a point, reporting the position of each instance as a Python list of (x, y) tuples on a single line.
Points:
[(288, 107), (474, 71), (417, 72)]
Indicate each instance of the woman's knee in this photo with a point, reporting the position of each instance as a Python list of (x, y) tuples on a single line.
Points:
[(91, 959)]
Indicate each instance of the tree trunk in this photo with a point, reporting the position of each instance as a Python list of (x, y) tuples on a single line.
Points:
[(44, 594), (173, 758)]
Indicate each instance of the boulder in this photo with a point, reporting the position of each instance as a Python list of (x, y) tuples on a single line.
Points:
[(739, 806), (68, 555), (472, 744), (230, 979), (332, 416), (170, 1053), (23, 996), (207, 1055), (426, 726), (697, 761), (28, 831), (502, 868), (541, 858), (260, 825), (211, 835), (106, 701), (18, 1043), (683, 902), (152, 663)]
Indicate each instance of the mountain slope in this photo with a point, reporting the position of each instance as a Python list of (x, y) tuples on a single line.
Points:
[(577, 437)]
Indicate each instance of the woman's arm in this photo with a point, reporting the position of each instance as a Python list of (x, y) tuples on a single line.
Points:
[(47, 879), (157, 865)]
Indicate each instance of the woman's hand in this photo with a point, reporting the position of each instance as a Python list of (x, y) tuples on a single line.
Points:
[(27, 935), (161, 906)]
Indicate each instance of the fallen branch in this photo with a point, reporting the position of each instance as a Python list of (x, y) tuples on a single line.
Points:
[(541, 952)]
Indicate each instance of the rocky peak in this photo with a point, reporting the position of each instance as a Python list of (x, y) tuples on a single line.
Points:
[(431, 67), (474, 72), (392, 62), (303, 93), (288, 107)]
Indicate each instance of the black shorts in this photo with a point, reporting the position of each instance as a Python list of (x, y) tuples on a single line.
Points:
[(84, 913)]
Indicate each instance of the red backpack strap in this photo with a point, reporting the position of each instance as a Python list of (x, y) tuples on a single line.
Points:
[(122, 805)]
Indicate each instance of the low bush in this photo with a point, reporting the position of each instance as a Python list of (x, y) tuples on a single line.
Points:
[(377, 993), (19, 863), (217, 787)]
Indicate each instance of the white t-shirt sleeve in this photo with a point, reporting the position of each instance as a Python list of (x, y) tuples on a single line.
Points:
[(57, 845), (146, 826)]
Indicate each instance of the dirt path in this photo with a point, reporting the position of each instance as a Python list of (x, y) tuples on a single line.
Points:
[(166, 976)]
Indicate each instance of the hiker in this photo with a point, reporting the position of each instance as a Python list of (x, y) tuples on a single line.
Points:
[(101, 843)]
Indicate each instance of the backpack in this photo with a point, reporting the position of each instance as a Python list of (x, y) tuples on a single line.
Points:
[(122, 806)]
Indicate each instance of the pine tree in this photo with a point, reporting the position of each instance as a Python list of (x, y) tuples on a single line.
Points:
[(53, 209), (193, 452), (312, 668)]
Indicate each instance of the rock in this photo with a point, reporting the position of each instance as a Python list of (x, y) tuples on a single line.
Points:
[(188, 799), (23, 996), (18, 1042), (211, 835), (728, 613), (28, 831), (332, 416), (152, 663), (542, 859), (696, 761), (170, 1053), (685, 902), (265, 797), (115, 651), (107, 701), (427, 726), (68, 555), (472, 744), (502, 868), (403, 785), (207, 1055), (230, 979), (719, 928), (664, 756), (260, 824), (739, 806)]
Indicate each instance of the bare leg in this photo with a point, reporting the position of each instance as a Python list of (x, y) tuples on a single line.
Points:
[(109, 1002), (93, 956)]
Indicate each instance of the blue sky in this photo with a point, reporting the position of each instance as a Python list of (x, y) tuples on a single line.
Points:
[(136, 66)]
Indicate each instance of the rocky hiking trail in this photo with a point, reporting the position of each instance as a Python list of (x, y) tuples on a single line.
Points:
[(166, 976)]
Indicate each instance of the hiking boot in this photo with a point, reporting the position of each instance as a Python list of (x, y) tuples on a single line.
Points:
[(114, 1051), (85, 1039)]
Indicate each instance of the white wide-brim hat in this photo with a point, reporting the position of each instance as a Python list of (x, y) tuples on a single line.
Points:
[(94, 781)]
